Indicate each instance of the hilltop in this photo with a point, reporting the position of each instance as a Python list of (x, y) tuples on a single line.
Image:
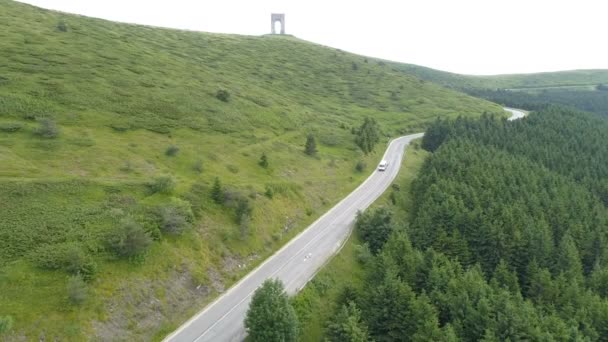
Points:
[(112, 136), (584, 79)]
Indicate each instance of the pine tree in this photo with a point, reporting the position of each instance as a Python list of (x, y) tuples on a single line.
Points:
[(311, 146), (347, 325), (217, 193), (270, 316)]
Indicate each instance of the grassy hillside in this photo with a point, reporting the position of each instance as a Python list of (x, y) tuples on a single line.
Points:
[(575, 79), (111, 136)]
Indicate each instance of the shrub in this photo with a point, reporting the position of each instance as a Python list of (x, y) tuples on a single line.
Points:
[(47, 128), (198, 166), (129, 239), (233, 168), (62, 26), (223, 95), (10, 127), (77, 290), (6, 323), (162, 184), (172, 150), (360, 166), (69, 257), (243, 209), (263, 161), (269, 193), (176, 217)]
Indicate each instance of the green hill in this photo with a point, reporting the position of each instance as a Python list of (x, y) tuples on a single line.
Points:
[(583, 79), (111, 137)]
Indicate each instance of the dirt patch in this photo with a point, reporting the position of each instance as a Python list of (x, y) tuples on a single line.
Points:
[(141, 307)]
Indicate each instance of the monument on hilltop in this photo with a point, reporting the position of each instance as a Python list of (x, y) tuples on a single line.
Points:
[(280, 17)]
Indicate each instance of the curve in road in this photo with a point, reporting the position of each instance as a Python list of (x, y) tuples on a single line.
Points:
[(298, 261)]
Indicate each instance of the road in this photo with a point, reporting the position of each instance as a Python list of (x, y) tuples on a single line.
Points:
[(298, 261)]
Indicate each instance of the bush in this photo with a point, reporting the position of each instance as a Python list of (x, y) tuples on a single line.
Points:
[(163, 185), (69, 257), (223, 95), (363, 254), (77, 290), (129, 239), (10, 127), (6, 324), (198, 166), (233, 168), (243, 209), (62, 26), (263, 161), (47, 128), (269, 193), (175, 218), (172, 150), (360, 166)]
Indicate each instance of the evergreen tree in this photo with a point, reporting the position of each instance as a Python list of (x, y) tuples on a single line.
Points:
[(217, 193), (347, 325), (311, 146), (270, 316)]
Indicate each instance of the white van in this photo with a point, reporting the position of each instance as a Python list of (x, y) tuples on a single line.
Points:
[(383, 165)]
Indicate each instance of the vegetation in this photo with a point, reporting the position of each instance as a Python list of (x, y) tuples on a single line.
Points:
[(270, 316), (503, 237), (120, 95), (6, 323), (310, 147), (368, 135), (263, 161)]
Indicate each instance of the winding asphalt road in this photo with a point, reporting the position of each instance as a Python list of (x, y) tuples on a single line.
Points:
[(298, 261)]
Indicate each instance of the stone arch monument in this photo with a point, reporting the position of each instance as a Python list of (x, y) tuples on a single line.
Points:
[(280, 17)]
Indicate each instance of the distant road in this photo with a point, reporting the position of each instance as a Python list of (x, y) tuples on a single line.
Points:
[(298, 261)]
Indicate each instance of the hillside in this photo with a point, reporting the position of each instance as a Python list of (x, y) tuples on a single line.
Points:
[(132, 190), (558, 79)]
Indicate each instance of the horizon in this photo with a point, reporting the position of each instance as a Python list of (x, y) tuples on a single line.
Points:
[(463, 49)]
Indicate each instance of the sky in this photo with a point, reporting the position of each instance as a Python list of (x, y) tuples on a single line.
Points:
[(477, 37)]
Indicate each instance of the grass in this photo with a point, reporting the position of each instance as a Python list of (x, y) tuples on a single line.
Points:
[(121, 96), (316, 303)]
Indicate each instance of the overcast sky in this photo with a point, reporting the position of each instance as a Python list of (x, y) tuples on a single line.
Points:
[(463, 36)]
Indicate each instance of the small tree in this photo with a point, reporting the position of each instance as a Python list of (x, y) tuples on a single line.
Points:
[(129, 239), (47, 128), (311, 146), (270, 316), (263, 161), (217, 193), (360, 166), (6, 323), (77, 290), (198, 166)]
